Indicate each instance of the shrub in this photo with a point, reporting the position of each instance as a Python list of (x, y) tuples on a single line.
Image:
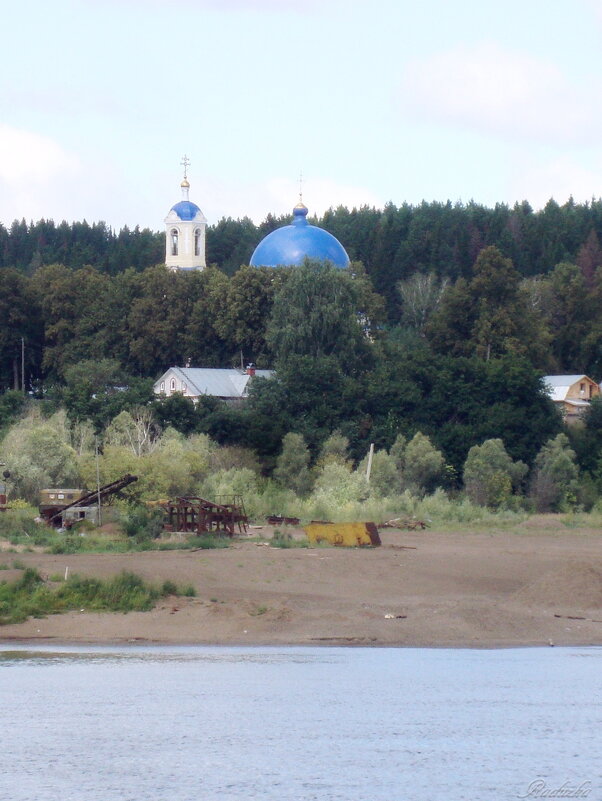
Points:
[(142, 524)]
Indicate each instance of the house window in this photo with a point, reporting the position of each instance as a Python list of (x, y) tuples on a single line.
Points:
[(197, 242), (174, 241), (173, 384)]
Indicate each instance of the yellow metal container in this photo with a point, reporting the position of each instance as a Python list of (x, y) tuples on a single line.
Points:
[(349, 535)]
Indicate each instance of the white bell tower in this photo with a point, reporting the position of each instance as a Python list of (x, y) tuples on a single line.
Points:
[(185, 231)]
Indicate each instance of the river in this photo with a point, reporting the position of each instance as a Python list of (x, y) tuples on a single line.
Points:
[(289, 724)]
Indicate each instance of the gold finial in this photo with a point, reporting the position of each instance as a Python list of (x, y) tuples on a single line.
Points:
[(185, 162), (301, 204)]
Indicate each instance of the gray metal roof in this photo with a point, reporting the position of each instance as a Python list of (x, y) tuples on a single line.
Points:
[(562, 380), (218, 382), (558, 385)]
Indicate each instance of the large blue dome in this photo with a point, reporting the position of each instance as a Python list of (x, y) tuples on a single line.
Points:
[(186, 209), (290, 245)]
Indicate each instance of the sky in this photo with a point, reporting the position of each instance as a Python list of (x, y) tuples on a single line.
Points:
[(371, 102)]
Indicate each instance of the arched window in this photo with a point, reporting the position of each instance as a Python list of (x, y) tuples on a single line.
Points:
[(197, 241), (174, 241), (162, 386), (172, 385)]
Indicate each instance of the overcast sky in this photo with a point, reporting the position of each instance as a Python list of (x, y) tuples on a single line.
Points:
[(387, 100)]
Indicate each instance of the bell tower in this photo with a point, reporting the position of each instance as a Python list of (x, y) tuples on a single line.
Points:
[(185, 231)]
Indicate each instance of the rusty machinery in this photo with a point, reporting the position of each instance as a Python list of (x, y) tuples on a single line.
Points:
[(199, 515), (52, 512)]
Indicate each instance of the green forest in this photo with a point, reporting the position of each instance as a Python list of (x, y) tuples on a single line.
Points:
[(431, 346)]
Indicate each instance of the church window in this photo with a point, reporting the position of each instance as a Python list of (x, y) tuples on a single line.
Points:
[(183, 387), (173, 384), (174, 242), (162, 386), (197, 242)]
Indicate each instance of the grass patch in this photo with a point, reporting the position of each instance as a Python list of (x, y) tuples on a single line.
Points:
[(30, 595), (283, 539), (171, 588)]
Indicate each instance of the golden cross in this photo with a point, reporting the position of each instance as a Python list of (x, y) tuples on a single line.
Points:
[(185, 162)]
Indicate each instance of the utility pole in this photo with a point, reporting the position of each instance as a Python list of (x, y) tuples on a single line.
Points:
[(97, 481), (369, 467)]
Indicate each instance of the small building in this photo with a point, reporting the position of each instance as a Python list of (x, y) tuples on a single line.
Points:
[(572, 394), (54, 501), (228, 384)]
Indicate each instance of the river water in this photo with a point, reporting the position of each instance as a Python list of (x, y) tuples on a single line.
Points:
[(289, 724)]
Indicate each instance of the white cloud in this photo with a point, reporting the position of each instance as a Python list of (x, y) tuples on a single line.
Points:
[(36, 174), (491, 90), (278, 196), (320, 194), (27, 157), (596, 8), (559, 178)]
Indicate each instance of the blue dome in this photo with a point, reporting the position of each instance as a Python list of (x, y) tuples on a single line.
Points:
[(186, 210), (291, 244)]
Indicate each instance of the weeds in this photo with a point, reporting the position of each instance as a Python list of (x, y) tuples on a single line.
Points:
[(30, 595), (284, 539)]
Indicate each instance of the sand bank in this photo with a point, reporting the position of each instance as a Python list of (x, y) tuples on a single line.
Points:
[(536, 585)]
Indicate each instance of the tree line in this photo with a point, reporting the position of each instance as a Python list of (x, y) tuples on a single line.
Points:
[(149, 319), (452, 345), (392, 243)]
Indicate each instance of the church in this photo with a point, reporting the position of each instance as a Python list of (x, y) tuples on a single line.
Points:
[(288, 246)]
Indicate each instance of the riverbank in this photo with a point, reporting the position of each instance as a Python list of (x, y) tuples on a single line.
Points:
[(537, 584)]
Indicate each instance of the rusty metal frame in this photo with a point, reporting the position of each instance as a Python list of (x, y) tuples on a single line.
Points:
[(195, 514)]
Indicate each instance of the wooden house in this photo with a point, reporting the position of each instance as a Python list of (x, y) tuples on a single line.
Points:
[(572, 394)]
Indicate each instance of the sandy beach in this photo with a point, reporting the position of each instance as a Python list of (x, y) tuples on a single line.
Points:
[(538, 584)]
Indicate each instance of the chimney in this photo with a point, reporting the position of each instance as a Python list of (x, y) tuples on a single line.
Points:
[(251, 369)]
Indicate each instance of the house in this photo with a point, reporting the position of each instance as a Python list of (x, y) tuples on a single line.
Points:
[(571, 394), (229, 384)]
